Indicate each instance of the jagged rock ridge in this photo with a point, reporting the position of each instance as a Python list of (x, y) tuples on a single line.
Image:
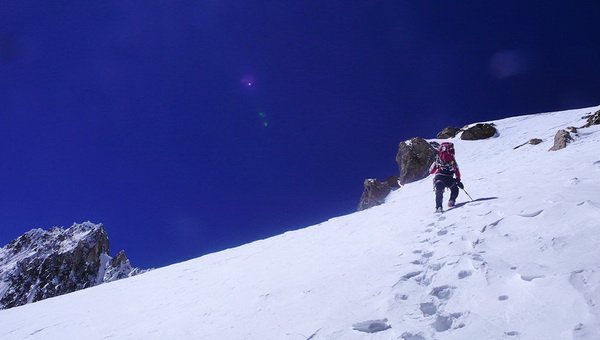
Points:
[(45, 263)]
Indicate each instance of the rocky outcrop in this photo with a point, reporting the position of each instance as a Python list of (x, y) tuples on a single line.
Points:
[(414, 158), (449, 132), (534, 141), (41, 264), (375, 192), (119, 267), (561, 140), (592, 119), (479, 131)]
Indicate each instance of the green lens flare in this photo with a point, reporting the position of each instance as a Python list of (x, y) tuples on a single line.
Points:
[(263, 119)]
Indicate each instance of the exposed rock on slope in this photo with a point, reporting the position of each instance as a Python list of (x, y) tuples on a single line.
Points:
[(414, 158), (533, 141), (41, 264), (479, 131), (561, 139), (592, 119), (376, 191), (449, 132)]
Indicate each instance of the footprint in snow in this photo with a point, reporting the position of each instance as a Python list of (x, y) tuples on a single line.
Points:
[(411, 336), (410, 275), (402, 297), (530, 278), (532, 213), (444, 322), (428, 308), (416, 275), (442, 292), (436, 266), (372, 326), (464, 273), (477, 257)]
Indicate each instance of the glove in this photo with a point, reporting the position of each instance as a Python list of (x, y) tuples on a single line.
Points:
[(460, 185)]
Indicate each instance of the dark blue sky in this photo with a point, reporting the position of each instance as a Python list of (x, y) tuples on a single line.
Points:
[(188, 127)]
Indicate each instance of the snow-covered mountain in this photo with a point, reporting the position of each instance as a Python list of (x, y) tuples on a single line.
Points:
[(41, 264), (521, 261)]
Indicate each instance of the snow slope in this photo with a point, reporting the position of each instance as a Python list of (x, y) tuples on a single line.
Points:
[(520, 262)]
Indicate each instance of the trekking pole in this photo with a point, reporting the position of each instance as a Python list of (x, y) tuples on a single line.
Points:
[(462, 186), (463, 189)]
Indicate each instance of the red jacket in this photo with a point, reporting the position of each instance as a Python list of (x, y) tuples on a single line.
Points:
[(445, 169)]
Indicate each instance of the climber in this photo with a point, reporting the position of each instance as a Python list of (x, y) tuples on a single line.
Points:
[(447, 175)]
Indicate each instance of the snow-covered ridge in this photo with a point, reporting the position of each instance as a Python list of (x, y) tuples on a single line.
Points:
[(518, 262), (41, 264)]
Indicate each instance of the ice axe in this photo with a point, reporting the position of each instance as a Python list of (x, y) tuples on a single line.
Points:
[(462, 186)]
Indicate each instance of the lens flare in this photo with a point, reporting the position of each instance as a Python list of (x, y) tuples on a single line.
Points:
[(263, 119), (248, 81)]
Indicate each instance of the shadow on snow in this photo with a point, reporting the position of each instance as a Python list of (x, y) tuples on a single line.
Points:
[(458, 205)]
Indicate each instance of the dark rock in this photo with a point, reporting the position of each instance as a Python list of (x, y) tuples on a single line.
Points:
[(374, 193), (393, 182), (561, 139), (414, 158), (449, 132), (592, 119), (42, 264), (534, 141), (479, 131)]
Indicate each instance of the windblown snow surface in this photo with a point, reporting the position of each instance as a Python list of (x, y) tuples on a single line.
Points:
[(522, 261)]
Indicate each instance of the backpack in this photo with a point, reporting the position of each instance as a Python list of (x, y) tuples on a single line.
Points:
[(446, 152)]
